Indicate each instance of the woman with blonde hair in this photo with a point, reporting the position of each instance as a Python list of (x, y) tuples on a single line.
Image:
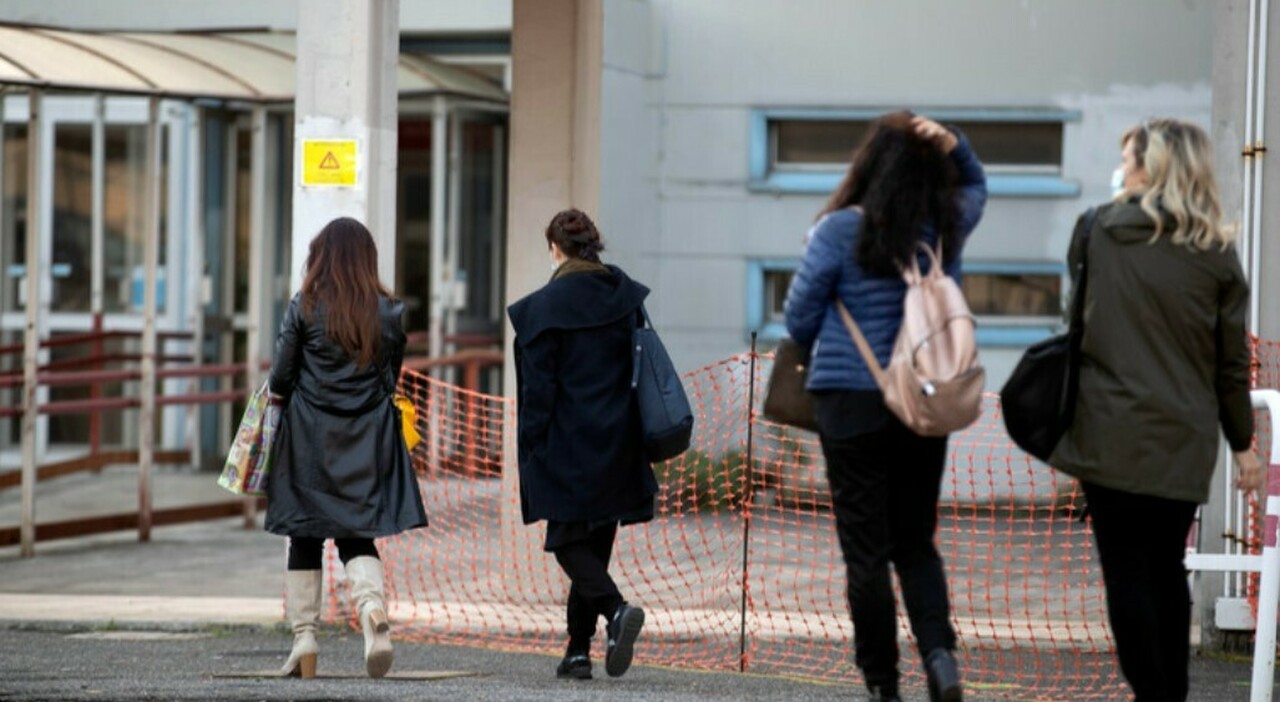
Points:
[(341, 468), (1164, 363)]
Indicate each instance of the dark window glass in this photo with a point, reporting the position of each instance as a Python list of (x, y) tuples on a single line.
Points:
[(1007, 145), (1014, 294), (776, 284)]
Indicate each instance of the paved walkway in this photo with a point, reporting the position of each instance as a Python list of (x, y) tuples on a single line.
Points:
[(223, 583)]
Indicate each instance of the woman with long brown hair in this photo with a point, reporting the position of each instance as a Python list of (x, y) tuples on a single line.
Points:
[(912, 182), (341, 469)]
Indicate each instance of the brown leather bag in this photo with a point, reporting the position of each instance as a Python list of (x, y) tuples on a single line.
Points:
[(786, 401), (933, 382)]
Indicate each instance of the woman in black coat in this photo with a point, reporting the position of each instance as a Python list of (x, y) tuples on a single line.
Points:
[(582, 463), (341, 469)]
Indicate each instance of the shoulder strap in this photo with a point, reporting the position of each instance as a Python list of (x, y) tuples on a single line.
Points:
[(1076, 321), (864, 348)]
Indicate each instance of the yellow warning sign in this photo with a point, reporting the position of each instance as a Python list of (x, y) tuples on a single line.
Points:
[(329, 162)]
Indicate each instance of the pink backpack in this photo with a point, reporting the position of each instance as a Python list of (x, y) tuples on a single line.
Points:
[(933, 382)]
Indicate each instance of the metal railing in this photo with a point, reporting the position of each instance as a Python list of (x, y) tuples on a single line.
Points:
[(1267, 564)]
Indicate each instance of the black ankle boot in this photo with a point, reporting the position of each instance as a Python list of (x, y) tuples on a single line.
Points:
[(883, 693), (575, 665), (944, 676)]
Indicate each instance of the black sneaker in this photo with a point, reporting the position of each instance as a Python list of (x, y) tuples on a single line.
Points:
[(623, 629), (574, 666), (883, 693), (943, 676)]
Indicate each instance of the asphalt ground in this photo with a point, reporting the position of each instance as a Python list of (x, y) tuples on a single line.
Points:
[(113, 663), (110, 618)]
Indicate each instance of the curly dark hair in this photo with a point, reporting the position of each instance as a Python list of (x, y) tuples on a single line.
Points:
[(903, 183)]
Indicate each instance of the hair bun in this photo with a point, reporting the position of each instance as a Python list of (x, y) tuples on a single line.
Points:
[(574, 232), (574, 223)]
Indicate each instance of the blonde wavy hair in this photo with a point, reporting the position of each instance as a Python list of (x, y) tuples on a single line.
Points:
[(1180, 183)]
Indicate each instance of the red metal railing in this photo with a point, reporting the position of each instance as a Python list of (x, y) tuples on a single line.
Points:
[(93, 371)]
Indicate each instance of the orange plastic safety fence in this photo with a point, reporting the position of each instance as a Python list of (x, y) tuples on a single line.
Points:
[(741, 568)]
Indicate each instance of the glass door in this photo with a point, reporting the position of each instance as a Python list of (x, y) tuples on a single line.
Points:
[(92, 199)]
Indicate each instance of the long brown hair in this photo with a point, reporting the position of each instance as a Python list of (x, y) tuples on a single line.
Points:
[(902, 182), (341, 279)]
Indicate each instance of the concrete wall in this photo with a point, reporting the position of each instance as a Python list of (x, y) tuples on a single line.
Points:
[(681, 79), (474, 16), (555, 159)]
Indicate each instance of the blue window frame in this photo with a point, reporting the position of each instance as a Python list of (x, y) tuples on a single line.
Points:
[(767, 283), (1016, 303), (1028, 163)]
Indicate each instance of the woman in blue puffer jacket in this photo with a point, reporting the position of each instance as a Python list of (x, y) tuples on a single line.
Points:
[(912, 180)]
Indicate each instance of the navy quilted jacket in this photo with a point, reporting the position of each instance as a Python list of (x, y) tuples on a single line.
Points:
[(829, 268)]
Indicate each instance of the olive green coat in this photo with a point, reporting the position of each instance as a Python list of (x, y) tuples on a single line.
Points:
[(1165, 361)]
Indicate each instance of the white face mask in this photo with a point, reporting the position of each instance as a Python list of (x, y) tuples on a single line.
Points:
[(1117, 181), (555, 265)]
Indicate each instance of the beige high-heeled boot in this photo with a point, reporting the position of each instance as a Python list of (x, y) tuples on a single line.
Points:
[(365, 574), (302, 608)]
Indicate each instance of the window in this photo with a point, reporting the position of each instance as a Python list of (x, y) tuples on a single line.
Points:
[(776, 283), (1010, 146), (1016, 303), (809, 151), (767, 285), (1027, 295)]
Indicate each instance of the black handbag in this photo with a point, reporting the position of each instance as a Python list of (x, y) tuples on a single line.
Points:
[(666, 420), (1038, 400), (785, 400)]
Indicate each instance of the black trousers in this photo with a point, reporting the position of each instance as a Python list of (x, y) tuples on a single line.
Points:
[(1141, 543), (307, 553), (592, 592), (884, 490)]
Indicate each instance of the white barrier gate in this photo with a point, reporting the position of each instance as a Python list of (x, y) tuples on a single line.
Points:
[(1264, 651)]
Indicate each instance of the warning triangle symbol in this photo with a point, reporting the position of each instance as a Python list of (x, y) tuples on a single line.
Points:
[(330, 163)]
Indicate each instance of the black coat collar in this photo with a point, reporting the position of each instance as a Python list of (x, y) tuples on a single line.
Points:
[(578, 301)]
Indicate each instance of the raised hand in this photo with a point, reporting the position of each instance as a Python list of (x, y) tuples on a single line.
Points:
[(936, 133)]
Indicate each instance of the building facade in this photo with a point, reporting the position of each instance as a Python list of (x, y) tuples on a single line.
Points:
[(725, 126)]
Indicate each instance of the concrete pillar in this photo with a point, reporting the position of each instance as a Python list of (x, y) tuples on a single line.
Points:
[(555, 163), (32, 336), (348, 51)]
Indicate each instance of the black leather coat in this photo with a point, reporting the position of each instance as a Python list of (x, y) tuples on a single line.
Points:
[(581, 456), (341, 469)]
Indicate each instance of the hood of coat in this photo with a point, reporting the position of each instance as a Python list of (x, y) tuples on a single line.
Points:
[(1127, 224), (576, 301)]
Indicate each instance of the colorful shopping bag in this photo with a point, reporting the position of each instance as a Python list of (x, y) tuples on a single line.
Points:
[(249, 459)]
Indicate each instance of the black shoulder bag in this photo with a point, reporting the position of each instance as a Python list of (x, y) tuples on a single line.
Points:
[(666, 419), (1039, 399)]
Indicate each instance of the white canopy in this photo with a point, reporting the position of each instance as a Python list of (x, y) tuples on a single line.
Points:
[(248, 66)]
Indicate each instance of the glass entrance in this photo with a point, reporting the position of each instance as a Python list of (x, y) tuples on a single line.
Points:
[(93, 221)]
